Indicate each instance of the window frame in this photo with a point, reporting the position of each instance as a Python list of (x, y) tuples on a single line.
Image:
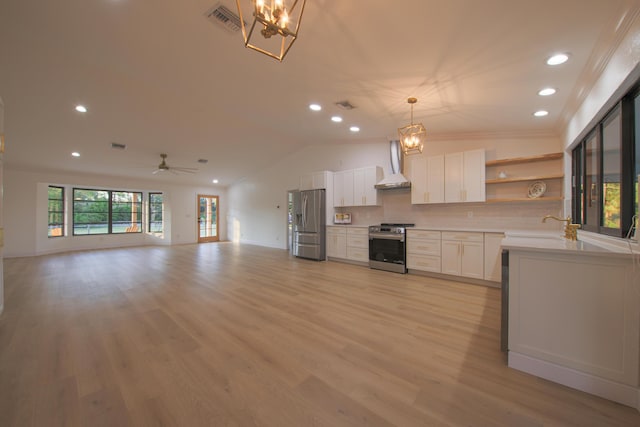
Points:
[(109, 212), (625, 108), (62, 212), (151, 211)]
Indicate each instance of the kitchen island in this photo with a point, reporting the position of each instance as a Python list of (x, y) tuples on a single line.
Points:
[(574, 313)]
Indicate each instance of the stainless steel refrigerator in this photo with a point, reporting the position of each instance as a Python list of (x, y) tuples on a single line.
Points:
[(309, 224)]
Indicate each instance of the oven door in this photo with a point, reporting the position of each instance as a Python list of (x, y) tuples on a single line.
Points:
[(387, 252)]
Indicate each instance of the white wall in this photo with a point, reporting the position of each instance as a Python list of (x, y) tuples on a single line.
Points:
[(619, 75), (254, 216), (25, 213)]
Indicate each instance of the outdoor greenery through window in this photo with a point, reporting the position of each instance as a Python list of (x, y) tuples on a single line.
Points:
[(106, 212), (56, 211), (155, 212)]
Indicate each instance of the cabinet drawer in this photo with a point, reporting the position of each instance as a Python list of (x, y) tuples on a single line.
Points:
[(464, 236), (423, 234), (358, 231), (357, 254), (336, 230), (424, 263), (358, 241), (423, 247)]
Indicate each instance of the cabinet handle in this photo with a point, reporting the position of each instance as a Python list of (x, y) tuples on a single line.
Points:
[(462, 248), (458, 249), (426, 196)]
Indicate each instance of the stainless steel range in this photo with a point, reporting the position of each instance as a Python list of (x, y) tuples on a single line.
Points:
[(387, 247)]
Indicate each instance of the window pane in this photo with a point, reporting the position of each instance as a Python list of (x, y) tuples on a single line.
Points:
[(611, 173), (56, 211), (592, 182), (90, 211), (126, 212), (155, 212)]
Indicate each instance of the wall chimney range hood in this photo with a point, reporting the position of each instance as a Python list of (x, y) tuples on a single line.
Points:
[(396, 179)]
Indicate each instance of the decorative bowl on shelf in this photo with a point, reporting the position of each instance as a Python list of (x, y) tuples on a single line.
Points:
[(536, 189)]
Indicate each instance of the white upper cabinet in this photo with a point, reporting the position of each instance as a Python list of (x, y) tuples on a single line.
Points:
[(355, 187), (315, 180), (427, 180), (449, 178), (464, 177), (343, 188), (364, 181)]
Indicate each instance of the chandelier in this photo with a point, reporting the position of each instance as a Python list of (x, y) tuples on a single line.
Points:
[(413, 136), (277, 23)]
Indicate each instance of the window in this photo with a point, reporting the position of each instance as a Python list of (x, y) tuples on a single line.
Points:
[(90, 212), (106, 212), (56, 211), (126, 212), (605, 171), (155, 212)]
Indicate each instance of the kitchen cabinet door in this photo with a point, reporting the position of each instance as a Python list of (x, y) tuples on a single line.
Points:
[(343, 188), (450, 257), (427, 180), (315, 180), (453, 164), (474, 173), (464, 177), (336, 242), (463, 254), (472, 259), (364, 181)]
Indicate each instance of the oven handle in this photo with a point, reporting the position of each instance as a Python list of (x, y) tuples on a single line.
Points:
[(385, 236)]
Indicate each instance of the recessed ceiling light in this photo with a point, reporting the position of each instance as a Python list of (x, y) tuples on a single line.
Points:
[(557, 59), (81, 109), (547, 91), (215, 181), (75, 154), (541, 113), (354, 129), (336, 119), (315, 107)]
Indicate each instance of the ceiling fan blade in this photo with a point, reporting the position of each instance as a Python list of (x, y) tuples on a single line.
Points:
[(157, 171), (184, 170)]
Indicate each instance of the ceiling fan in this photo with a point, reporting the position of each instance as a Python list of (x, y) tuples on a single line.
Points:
[(164, 167)]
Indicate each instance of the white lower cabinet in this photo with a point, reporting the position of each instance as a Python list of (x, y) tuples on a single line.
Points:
[(336, 242), (463, 254), (493, 256), (358, 244), (423, 250), (350, 243)]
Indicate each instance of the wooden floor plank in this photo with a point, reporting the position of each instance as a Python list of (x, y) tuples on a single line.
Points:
[(240, 335)]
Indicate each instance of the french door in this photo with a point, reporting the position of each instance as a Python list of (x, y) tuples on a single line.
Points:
[(207, 218)]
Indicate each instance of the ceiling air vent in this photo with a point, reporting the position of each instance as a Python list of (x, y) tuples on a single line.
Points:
[(117, 146), (345, 105), (203, 161), (224, 18)]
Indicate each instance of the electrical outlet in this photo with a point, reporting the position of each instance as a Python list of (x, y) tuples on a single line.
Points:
[(469, 214)]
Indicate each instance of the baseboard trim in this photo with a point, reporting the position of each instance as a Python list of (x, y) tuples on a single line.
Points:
[(617, 392)]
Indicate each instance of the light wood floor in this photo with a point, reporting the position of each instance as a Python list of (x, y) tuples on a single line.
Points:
[(236, 335)]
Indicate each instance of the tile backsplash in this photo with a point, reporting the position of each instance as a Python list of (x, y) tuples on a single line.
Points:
[(397, 207)]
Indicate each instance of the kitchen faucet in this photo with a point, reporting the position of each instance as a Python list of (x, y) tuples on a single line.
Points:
[(570, 230)]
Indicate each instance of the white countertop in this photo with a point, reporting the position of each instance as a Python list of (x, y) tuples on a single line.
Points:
[(587, 244)]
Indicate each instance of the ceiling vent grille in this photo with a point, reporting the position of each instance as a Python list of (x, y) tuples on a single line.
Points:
[(117, 146), (224, 18), (345, 105)]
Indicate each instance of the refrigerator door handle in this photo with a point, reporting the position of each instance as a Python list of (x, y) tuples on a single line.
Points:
[(304, 211)]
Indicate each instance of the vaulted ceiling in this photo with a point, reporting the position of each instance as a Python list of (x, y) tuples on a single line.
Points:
[(158, 76)]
